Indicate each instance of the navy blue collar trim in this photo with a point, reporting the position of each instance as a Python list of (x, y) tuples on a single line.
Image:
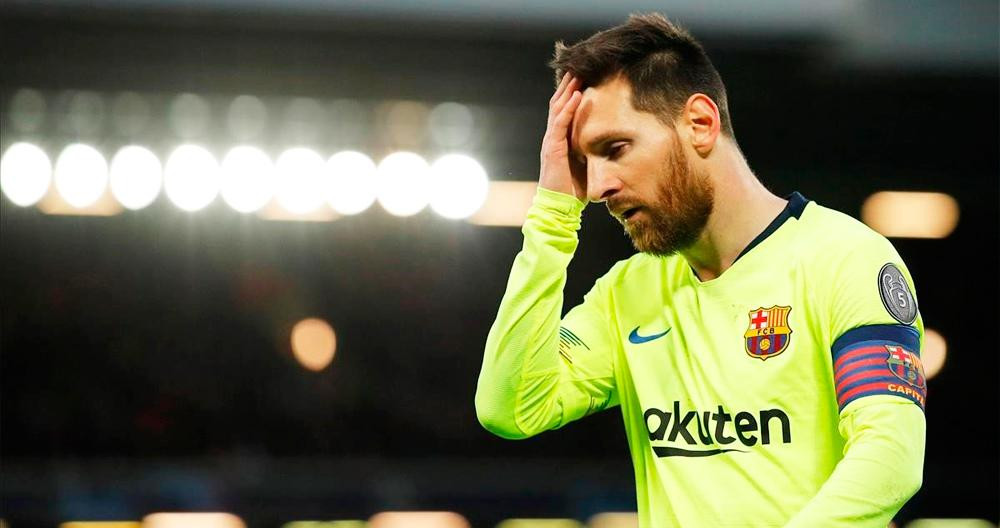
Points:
[(796, 204)]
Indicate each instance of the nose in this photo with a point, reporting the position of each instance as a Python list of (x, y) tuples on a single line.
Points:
[(602, 183)]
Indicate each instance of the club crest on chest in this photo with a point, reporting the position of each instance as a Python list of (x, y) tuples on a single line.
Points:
[(768, 333)]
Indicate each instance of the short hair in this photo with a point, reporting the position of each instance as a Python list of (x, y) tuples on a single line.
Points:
[(663, 63)]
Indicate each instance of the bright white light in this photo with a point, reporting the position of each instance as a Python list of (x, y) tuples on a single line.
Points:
[(352, 187), (81, 175), (458, 186), (247, 179), (191, 177), (136, 177), (301, 179), (25, 173), (403, 183)]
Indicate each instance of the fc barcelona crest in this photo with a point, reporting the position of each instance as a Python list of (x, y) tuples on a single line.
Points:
[(769, 333), (905, 365)]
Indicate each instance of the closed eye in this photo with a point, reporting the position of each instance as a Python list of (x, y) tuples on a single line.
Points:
[(616, 150)]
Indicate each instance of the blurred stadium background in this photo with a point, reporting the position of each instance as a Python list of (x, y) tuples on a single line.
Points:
[(207, 306)]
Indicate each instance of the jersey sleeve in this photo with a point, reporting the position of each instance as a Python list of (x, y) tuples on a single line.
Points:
[(875, 325), (880, 388), (540, 372)]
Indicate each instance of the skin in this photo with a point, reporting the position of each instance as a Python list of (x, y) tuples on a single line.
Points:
[(597, 147)]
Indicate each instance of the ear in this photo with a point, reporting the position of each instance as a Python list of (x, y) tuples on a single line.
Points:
[(702, 119)]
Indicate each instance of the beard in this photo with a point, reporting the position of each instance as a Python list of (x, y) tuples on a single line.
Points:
[(677, 214)]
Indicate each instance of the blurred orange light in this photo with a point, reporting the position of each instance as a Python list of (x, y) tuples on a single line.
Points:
[(614, 520), (313, 343), (417, 520), (274, 211), (54, 204), (507, 204), (911, 214), (326, 524), (192, 520), (934, 353), (540, 523)]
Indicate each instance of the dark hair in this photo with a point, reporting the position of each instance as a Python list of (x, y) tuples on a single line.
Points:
[(664, 64)]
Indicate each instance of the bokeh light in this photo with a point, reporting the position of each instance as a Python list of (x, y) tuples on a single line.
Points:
[(27, 110), (934, 353), (247, 178), (189, 115), (458, 186), (136, 176), (911, 214), (403, 183), (313, 343), (83, 114), (301, 179), (404, 123), (540, 523), (25, 173), (417, 519), (451, 124), (191, 177), (192, 520), (81, 175), (303, 120), (614, 520), (246, 117), (353, 184)]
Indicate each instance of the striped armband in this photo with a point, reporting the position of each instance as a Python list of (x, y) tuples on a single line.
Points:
[(879, 359)]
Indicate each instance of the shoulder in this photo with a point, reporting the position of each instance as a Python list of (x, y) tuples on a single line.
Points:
[(830, 237)]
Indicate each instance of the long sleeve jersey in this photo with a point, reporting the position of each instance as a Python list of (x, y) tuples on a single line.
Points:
[(788, 391)]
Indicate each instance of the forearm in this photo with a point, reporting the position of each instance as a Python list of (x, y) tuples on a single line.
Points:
[(520, 366), (881, 469)]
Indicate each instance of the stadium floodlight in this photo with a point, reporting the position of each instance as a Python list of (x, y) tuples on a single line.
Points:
[(25, 173), (81, 175), (247, 178), (191, 177), (458, 186), (136, 177), (301, 179), (403, 183), (352, 185)]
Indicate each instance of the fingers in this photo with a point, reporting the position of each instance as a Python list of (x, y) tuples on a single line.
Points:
[(564, 93), (560, 125), (560, 88)]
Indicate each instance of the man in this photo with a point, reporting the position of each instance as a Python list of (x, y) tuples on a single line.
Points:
[(764, 351)]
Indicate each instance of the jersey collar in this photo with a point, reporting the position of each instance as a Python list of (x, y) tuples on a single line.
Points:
[(793, 209)]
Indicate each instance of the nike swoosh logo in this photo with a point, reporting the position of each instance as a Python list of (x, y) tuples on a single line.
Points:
[(637, 339)]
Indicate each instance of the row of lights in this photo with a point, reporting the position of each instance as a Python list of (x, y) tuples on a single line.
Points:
[(417, 519), (299, 180)]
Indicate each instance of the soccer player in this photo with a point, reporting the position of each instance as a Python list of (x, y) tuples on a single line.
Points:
[(765, 351)]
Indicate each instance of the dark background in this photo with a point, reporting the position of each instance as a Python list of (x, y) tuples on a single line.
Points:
[(144, 362)]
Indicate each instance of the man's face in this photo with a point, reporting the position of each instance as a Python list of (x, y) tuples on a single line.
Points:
[(638, 167)]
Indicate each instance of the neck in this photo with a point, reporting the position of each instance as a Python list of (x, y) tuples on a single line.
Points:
[(743, 208)]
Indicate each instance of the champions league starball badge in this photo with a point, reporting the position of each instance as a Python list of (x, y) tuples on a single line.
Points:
[(896, 295)]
